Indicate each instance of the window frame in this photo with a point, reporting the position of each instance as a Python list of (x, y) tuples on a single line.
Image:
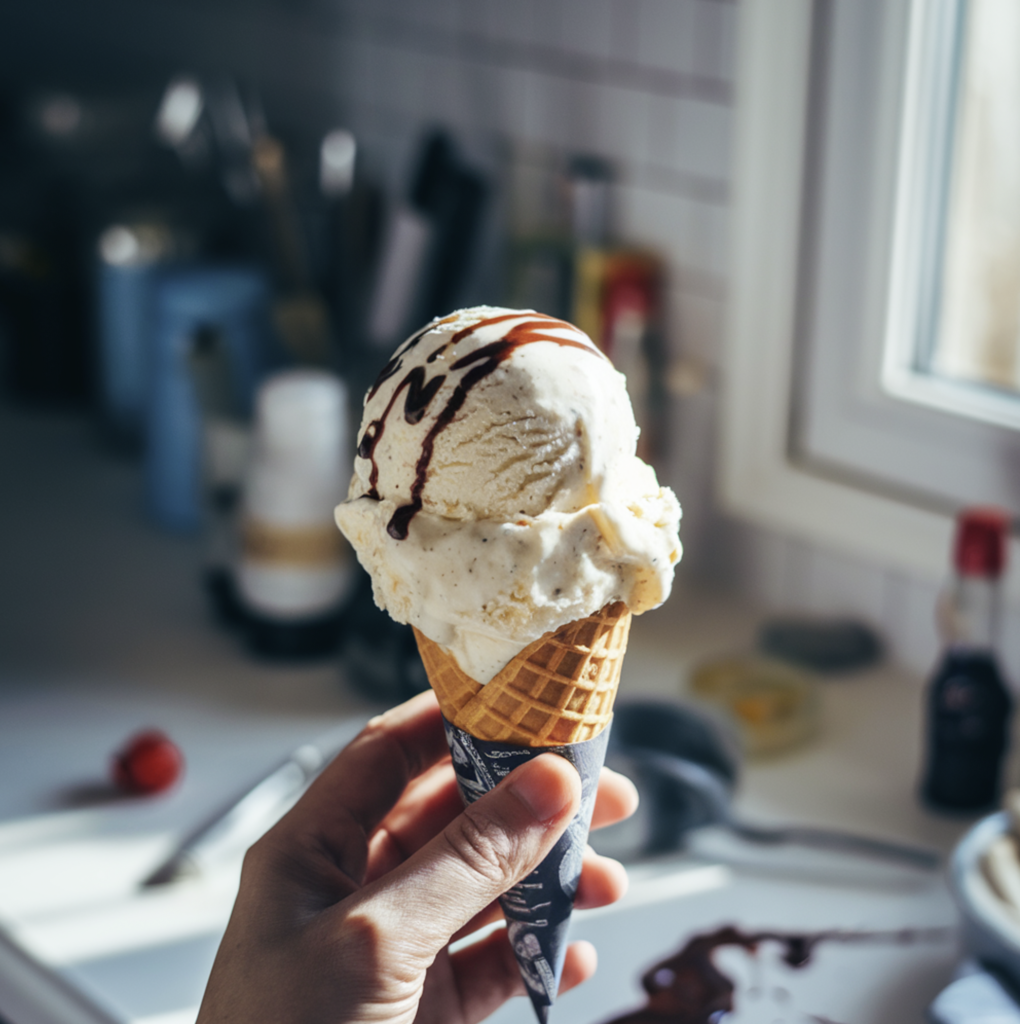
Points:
[(922, 194), (758, 479)]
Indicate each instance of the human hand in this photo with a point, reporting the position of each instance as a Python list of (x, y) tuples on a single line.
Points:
[(347, 907)]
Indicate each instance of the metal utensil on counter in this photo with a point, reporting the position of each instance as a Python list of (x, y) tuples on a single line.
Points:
[(717, 798), (686, 771)]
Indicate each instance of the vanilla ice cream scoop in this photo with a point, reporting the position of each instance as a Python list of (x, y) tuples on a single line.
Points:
[(496, 494)]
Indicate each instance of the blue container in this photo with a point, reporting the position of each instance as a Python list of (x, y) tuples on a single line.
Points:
[(125, 320), (234, 301)]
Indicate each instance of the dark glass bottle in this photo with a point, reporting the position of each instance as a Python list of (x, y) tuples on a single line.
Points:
[(969, 704)]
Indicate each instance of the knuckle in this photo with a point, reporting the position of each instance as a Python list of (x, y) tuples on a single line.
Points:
[(257, 863), (256, 856), (484, 846)]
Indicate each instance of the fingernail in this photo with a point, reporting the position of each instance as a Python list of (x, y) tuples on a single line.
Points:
[(544, 797)]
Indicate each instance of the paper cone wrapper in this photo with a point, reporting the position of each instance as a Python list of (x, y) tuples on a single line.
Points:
[(557, 694), (538, 908)]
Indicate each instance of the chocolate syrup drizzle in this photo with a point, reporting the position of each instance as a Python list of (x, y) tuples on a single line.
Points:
[(688, 988), (420, 393)]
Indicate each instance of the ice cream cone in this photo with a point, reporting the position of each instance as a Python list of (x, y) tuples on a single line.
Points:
[(556, 694), (558, 690)]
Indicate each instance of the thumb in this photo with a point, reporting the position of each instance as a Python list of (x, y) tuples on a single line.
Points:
[(491, 846)]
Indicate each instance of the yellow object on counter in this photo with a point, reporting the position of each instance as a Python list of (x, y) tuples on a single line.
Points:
[(774, 706)]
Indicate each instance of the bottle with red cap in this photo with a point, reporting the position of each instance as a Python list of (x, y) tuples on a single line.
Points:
[(969, 704)]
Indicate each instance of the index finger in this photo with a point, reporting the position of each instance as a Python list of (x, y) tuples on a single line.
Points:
[(363, 783)]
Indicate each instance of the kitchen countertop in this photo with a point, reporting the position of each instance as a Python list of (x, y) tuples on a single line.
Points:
[(104, 629)]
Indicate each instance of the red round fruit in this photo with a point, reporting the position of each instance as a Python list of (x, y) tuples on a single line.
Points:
[(149, 762)]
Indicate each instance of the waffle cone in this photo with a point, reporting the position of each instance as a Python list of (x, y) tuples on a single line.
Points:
[(558, 690)]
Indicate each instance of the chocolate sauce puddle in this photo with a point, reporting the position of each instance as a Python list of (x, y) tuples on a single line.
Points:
[(420, 393), (688, 988)]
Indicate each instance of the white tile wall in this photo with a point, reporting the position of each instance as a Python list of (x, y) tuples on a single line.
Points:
[(645, 83), (909, 614), (696, 318), (591, 28), (567, 73), (666, 36), (786, 574)]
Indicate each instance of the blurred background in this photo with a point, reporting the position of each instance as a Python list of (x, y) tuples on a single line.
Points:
[(363, 167), (348, 170), (794, 225)]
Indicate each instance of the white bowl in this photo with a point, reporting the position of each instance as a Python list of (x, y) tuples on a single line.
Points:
[(989, 930)]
